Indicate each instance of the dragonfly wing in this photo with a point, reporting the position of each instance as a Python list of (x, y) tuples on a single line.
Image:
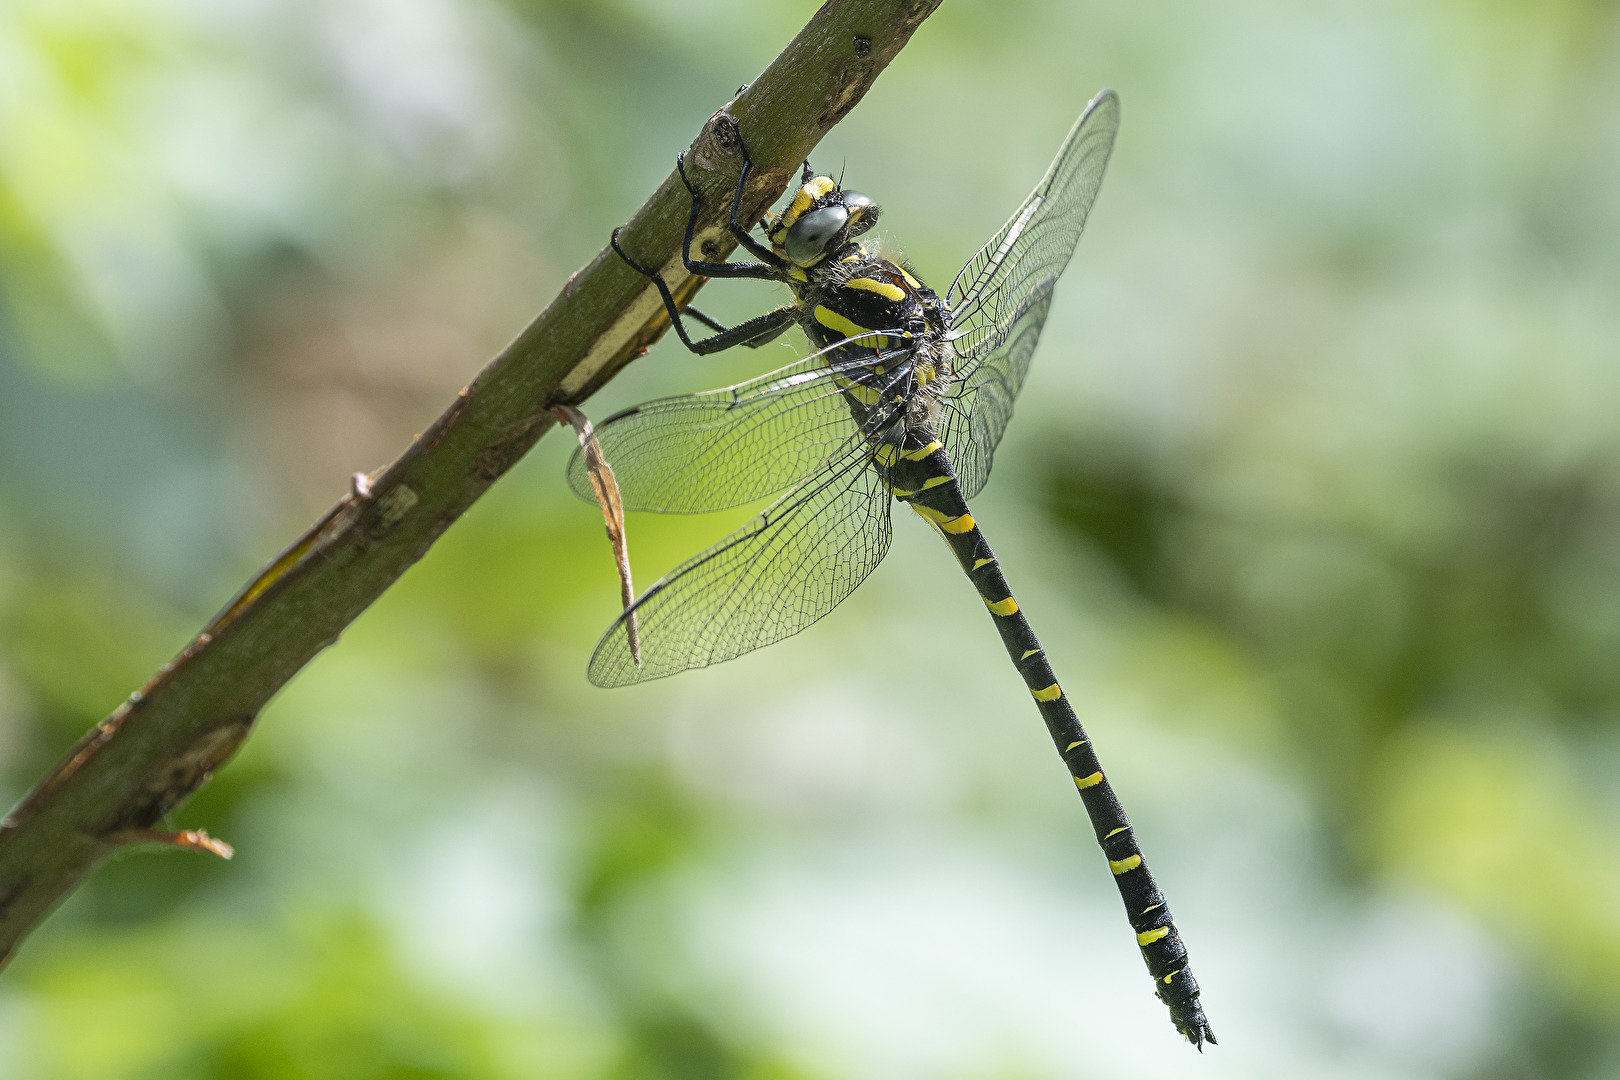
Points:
[(739, 444), (978, 408), (1001, 284), (770, 579)]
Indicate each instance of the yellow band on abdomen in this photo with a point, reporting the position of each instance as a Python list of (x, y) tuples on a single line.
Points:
[(959, 524)]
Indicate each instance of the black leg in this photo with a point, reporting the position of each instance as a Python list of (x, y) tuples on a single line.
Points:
[(760, 330), (738, 230), (693, 313), (775, 324), (776, 327), (769, 270), (753, 333)]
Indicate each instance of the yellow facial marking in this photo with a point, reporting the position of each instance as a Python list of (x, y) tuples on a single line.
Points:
[(797, 274), (1050, 693), (1083, 782), (985, 562), (1029, 654), (836, 322), (1148, 937), (882, 288), (802, 201), (1125, 865), (1005, 607), (921, 452)]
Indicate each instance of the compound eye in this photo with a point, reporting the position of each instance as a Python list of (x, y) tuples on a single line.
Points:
[(856, 202), (863, 211), (807, 240)]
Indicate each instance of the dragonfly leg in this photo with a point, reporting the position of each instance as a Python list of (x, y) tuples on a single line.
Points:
[(738, 229), (753, 333), (770, 270), (713, 324)]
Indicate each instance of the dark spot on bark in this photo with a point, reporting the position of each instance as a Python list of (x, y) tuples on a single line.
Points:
[(863, 45), (725, 132)]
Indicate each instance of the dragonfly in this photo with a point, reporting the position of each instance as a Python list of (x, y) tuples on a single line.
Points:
[(905, 398)]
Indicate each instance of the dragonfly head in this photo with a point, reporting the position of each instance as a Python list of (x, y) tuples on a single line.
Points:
[(821, 219)]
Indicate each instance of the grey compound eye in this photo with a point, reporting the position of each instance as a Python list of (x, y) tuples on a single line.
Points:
[(863, 212), (856, 202), (808, 238)]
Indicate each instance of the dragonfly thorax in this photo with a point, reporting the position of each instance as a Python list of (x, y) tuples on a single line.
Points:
[(862, 301)]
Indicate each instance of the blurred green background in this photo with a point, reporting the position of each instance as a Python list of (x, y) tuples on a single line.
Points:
[(1314, 495)]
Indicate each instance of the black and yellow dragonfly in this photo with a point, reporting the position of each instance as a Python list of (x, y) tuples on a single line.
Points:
[(906, 398)]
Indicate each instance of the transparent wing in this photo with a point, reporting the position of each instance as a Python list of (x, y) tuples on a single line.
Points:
[(1001, 284), (739, 444), (977, 409), (770, 579)]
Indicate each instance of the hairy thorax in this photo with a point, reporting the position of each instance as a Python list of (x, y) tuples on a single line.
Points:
[(864, 307)]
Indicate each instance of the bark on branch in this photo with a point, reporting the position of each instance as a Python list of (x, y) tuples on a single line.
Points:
[(121, 779)]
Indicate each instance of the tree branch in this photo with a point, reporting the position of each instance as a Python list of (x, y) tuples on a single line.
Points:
[(160, 746)]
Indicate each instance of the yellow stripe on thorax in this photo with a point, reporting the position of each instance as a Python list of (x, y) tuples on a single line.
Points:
[(882, 288), (836, 322), (921, 452)]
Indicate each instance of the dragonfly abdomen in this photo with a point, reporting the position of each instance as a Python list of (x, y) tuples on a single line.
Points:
[(920, 473)]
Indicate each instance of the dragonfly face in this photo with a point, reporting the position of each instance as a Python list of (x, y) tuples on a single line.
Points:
[(822, 219), (905, 399)]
